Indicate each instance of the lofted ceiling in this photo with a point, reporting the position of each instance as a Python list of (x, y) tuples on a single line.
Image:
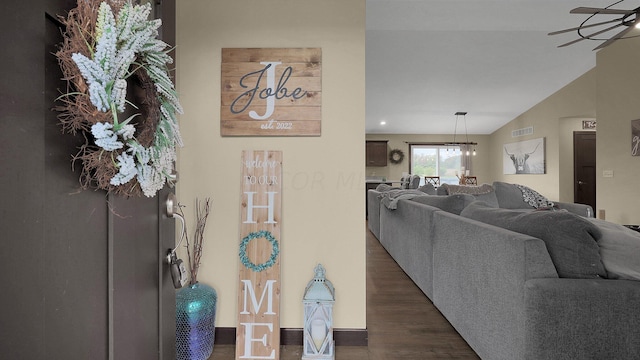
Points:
[(428, 59)]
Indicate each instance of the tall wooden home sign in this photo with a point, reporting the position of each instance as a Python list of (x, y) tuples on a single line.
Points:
[(271, 92), (258, 332)]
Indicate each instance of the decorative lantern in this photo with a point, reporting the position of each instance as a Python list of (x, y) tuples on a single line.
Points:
[(318, 300)]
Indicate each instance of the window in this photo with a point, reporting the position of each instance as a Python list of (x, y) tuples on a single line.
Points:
[(435, 160)]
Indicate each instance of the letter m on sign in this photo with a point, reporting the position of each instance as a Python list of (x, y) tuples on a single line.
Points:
[(258, 332)]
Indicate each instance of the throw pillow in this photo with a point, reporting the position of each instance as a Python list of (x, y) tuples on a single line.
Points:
[(570, 239), (620, 250), (534, 198)]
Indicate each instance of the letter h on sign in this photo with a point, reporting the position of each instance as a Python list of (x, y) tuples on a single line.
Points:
[(251, 206)]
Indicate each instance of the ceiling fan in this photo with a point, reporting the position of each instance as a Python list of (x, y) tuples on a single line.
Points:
[(627, 18)]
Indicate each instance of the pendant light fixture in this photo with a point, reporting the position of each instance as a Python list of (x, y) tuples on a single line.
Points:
[(467, 143)]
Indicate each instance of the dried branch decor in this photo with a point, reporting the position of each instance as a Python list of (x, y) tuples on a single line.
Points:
[(194, 252), (108, 48)]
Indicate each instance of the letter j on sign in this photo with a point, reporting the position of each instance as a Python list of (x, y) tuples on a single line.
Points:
[(258, 332)]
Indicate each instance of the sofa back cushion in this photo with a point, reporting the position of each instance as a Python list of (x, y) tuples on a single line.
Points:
[(570, 239), (484, 192), (428, 189), (449, 203), (514, 196)]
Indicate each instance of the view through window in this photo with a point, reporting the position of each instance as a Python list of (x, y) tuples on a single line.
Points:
[(435, 160)]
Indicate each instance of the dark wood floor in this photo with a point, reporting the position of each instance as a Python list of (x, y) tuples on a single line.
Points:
[(403, 324)]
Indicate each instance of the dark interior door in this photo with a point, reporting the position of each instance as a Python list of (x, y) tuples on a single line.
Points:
[(84, 273), (584, 162)]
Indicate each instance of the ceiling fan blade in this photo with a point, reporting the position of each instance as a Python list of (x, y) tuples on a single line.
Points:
[(592, 10), (615, 37), (583, 27), (590, 35)]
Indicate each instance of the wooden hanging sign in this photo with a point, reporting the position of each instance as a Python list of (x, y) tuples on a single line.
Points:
[(258, 331), (271, 92)]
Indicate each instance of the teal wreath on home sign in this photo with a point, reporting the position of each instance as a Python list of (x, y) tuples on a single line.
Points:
[(275, 250)]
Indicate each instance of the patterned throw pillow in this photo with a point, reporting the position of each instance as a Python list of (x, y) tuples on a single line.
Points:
[(534, 198)]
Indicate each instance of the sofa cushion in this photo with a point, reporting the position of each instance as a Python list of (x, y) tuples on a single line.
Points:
[(386, 187), (620, 250), (449, 203), (390, 198), (511, 196), (484, 192), (428, 189), (570, 239)]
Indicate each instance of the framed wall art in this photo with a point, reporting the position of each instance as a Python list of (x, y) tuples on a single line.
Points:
[(271, 92), (635, 138), (524, 157)]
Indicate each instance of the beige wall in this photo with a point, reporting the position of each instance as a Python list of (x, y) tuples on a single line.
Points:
[(611, 88), (399, 141), (323, 183), (554, 119), (618, 103)]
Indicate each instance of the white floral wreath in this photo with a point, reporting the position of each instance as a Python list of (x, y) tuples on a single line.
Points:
[(123, 45)]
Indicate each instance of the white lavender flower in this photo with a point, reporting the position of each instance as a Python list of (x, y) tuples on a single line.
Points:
[(90, 70), (99, 97), (119, 94), (100, 130), (126, 169), (140, 13), (155, 46), (105, 138), (105, 53), (171, 97), (124, 22), (150, 180), (106, 48), (171, 129), (158, 58), (142, 154), (105, 18), (163, 159), (126, 131)]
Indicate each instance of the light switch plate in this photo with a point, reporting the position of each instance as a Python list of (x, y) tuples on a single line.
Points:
[(607, 173)]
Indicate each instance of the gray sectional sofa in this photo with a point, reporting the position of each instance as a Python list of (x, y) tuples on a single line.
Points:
[(502, 290)]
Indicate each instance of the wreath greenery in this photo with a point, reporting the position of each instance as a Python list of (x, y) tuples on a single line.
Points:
[(275, 250), (396, 156), (109, 47)]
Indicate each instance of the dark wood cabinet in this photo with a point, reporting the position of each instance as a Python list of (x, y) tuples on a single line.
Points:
[(376, 151)]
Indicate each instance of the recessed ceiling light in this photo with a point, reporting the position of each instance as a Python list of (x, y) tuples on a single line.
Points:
[(383, 123)]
